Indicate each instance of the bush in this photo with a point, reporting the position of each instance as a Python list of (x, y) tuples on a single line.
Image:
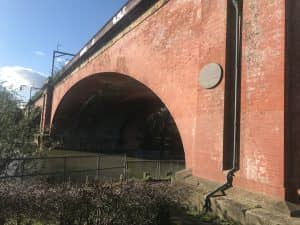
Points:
[(132, 203), (17, 128)]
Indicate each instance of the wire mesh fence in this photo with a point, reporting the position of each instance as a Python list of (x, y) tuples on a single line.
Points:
[(83, 168)]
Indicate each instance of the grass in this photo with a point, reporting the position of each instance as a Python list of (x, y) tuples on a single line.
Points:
[(183, 216)]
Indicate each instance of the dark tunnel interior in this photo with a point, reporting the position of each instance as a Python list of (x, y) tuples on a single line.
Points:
[(113, 113)]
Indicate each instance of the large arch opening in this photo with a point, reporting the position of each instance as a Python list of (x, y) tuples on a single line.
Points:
[(114, 113)]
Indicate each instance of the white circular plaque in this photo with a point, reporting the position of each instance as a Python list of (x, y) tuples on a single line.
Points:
[(210, 75)]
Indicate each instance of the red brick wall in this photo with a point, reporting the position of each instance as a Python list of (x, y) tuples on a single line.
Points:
[(39, 102), (207, 154), (162, 53), (262, 98), (262, 108), (166, 53)]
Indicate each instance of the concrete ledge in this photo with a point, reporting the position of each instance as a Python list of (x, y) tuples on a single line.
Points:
[(242, 206)]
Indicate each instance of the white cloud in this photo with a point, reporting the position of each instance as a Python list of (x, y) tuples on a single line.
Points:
[(39, 53), (62, 61), (59, 60), (13, 77)]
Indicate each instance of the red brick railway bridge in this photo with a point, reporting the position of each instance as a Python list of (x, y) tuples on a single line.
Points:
[(147, 59)]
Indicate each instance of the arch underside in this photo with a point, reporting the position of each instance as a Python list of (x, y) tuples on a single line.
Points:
[(110, 112)]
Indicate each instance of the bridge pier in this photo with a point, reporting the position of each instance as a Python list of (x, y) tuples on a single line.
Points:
[(46, 109)]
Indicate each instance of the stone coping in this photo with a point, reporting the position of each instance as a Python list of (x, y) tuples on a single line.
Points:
[(242, 206)]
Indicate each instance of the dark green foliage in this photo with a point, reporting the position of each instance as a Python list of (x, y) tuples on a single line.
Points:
[(161, 133), (17, 128), (131, 203), (103, 204)]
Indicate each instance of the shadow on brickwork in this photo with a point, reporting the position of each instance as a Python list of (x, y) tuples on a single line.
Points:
[(292, 103)]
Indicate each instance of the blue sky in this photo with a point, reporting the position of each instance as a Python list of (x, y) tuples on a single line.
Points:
[(31, 29)]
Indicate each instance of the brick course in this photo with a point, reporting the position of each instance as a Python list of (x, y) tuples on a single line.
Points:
[(167, 50)]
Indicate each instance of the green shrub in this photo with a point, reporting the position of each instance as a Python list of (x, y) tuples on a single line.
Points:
[(133, 203), (17, 129)]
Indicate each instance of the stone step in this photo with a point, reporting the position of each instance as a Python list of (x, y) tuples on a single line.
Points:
[(242, 206)]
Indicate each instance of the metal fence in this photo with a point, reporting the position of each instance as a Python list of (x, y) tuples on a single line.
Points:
[(93, 167)]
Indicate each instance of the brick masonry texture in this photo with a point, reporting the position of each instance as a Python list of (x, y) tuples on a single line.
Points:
[(166, 52)]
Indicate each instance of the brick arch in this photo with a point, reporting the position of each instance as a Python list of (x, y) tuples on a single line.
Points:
[(165, 52), (75, 97), (59, 96)]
